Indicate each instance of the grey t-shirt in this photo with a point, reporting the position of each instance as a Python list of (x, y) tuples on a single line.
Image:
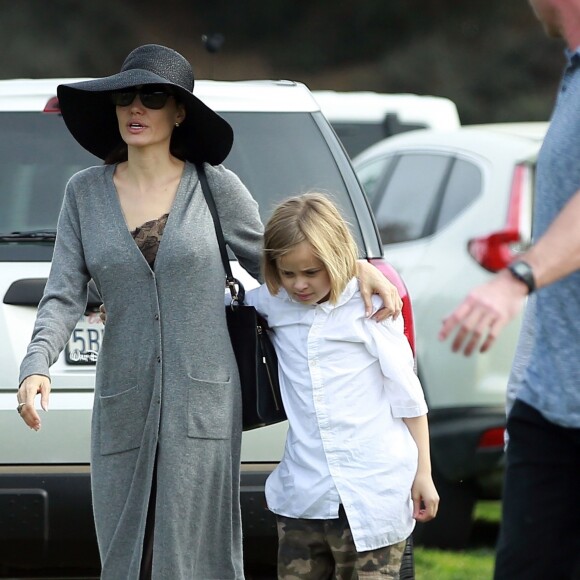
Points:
[(546, 372)]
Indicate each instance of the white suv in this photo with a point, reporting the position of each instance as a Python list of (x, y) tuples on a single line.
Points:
[(362, 118), (283, 146), (452, 207)]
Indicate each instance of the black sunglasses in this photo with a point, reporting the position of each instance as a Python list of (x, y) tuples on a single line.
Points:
[(151, 97)]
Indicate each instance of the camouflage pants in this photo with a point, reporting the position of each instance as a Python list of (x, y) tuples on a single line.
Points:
[(325, 550)]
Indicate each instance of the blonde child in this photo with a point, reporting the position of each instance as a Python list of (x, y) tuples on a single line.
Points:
[(356, 469)]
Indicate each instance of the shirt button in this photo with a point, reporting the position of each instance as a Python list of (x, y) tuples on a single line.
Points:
[(158, 359), (157, 317)]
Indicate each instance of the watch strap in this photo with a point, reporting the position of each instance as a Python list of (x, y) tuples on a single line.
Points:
[(523, 272)]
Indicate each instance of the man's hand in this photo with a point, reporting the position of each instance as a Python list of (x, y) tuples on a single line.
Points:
[(371, 281), (483, 314)]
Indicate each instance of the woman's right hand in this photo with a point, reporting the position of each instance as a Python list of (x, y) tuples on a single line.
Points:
[(29, 388), (102, 313)]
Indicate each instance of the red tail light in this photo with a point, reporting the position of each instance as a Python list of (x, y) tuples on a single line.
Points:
[(496, 250), (492, 438), (392, 275), (52, 106), (493, 252)]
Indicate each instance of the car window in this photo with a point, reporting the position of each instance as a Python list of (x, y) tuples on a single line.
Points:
[(407, 202), (370, 175), (463, 187), (278, 155), (37, 157), (356, 137), (275, 154)]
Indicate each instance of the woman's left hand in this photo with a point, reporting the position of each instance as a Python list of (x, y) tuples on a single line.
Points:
[(371, 281)]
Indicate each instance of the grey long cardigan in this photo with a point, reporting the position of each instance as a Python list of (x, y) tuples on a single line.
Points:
[(166, 378)]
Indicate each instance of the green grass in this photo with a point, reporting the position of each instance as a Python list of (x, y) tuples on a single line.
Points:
[(473, 563), (488, 511)]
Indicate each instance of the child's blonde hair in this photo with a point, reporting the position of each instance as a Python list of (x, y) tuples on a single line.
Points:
[(311, 218)]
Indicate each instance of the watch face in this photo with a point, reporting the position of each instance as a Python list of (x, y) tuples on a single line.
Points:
[(521, 268), (523, 271)]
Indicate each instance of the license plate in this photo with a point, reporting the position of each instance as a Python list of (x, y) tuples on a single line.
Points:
[(85, 341)]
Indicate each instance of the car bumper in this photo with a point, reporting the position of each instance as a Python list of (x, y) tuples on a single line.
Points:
[(459, 451), (46, 516)]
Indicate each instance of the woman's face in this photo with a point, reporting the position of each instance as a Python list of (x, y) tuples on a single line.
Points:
[(303, 275), (143, 126)]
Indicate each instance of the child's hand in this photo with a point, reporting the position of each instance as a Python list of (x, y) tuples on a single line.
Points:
[(425, 498)]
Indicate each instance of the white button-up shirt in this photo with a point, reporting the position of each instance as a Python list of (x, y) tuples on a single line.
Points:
[(347, 382)]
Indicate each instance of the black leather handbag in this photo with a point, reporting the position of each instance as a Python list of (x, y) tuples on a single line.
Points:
[(255, 353)]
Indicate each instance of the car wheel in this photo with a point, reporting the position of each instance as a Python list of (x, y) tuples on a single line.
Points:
[(452, 527)]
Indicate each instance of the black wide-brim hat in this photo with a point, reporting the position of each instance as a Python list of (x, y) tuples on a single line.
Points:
[(90, 114)]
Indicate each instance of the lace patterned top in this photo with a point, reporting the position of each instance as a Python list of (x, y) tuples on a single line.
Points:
[(148, 236)]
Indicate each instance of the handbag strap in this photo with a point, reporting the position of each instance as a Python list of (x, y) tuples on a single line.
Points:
[(231, 282)]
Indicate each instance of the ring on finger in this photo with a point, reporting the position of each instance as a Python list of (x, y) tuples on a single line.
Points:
[(19, 408)]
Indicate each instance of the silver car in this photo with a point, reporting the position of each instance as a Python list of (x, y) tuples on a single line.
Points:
[(453, 207)]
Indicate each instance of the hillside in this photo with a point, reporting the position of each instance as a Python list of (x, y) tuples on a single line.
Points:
[(489, 56)]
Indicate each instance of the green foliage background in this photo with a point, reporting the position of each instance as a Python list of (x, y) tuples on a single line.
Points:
[(490, 56)]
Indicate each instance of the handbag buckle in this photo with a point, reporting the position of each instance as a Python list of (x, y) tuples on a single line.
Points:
[(237, 291)]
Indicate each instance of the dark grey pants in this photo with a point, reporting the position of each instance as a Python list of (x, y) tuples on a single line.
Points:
[(147, 557)]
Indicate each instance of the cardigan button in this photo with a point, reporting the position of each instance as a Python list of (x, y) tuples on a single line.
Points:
[(158, 359), (157, 317)]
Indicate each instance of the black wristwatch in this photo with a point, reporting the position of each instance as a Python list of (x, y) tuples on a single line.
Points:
[(522, 271)]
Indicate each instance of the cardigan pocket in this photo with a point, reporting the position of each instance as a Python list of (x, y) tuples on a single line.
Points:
[(122, 421), (209, 409)]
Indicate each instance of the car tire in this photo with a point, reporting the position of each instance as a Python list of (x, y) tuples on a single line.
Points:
[(407, 571), (451, 529)]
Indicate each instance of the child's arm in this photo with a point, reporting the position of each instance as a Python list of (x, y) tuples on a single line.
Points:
[(387, 342), (424, 495)]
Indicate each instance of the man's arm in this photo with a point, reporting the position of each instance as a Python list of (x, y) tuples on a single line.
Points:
[(491, 306), (557, 252)]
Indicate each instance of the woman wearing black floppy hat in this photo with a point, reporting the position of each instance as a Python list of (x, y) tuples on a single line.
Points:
[(166, 426)]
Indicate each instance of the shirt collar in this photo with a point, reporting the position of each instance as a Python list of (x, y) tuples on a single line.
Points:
[(346, 295), (572, 56)]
